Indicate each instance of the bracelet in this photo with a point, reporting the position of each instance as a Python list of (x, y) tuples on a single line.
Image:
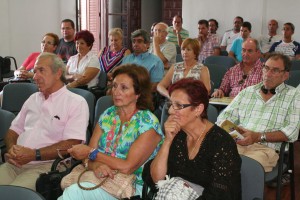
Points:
[(93, 154)]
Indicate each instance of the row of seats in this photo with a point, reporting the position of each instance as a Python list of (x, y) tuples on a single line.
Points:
[(106, 101)]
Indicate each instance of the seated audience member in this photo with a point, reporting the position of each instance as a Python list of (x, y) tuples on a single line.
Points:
[(210, 43), (230, 35), (190, 67), (176, 34), (83, 69), (140, 42), (194, 149), (112, 55), (67, 47), (246, 73), (213, 26), (126, 136), (266, 41), (162, 48), (287, 45), (53, 118), (267, 113), (48, 44), (236, 48)]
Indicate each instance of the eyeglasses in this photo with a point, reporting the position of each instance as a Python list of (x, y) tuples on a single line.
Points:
[(177, 106), (270, 39), (44, 42), (243, 79), (272, 70)]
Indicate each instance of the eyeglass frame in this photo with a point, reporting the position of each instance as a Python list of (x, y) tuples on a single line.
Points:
[(180, 106), (275, 71)]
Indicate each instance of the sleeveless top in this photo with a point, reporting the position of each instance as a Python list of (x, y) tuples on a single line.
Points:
[(179, 72), (108, 60)]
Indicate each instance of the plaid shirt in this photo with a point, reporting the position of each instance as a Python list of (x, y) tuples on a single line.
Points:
[(280, 113), (233, 82), (208, 46)]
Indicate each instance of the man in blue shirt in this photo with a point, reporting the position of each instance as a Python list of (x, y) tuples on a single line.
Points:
[(140, 43), (236, 48)]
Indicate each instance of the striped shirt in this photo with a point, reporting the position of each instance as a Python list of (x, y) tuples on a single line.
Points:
[(280, 113), (171, 37), (233, 81)]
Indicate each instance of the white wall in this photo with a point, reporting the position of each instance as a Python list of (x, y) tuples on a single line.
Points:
[(257, 12), (23, 24)]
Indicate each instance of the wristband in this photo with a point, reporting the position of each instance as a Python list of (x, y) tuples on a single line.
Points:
[(38, 155), (93, 154)]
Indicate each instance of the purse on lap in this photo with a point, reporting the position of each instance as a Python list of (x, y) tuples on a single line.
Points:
[(121, 186), (175, 189)]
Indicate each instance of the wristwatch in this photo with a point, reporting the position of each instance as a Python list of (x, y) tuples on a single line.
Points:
[(93, 154), (263, 138), (38, 154)]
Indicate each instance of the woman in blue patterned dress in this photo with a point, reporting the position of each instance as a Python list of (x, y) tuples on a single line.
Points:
[(126, 136)]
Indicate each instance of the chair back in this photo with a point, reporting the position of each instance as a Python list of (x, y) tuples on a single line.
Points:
[(294, 79), (15, 94), (11, 192), (295, 65), (252, 179), (212, 113), (216, 75), (101, 105), (6, 118), (220, 61)]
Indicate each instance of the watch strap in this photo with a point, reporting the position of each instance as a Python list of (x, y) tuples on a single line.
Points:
[(38, 155)]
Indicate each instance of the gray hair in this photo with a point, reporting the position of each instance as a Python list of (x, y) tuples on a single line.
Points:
[(57, 64), (164, 24), (143, 33)]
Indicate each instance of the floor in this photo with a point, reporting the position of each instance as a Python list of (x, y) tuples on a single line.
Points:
[(270, 193)]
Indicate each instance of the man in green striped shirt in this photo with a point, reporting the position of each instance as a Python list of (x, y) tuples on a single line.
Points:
[(176, 34), (267, 113)]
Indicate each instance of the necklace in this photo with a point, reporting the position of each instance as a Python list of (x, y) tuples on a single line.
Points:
[(202, 134)]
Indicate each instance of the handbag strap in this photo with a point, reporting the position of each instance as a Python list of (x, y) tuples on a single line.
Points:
[(94, 187)]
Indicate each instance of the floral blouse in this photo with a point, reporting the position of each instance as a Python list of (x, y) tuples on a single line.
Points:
[(116, 142)]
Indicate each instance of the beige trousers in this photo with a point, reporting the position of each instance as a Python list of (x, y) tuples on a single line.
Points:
[(266, 156), (25, 176)]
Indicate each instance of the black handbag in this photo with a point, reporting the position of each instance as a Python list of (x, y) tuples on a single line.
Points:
[(48, 184)]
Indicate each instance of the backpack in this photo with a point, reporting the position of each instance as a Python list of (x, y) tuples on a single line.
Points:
[(5, 65)]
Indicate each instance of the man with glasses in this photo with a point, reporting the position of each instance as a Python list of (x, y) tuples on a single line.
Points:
[(266, 41), (66, 47), (246, 73), (267, 113), (140, 43), (162, 48), (176, 34)]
